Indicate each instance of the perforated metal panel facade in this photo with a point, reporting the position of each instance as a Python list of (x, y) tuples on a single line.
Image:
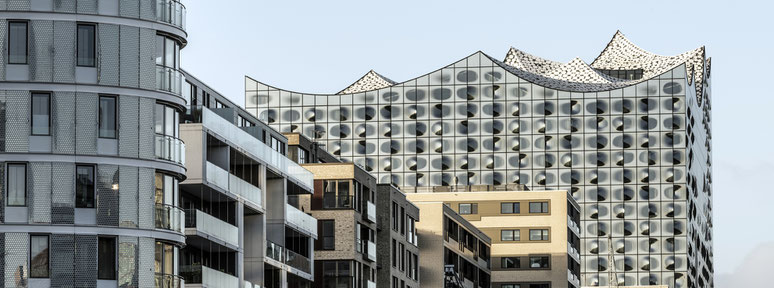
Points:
[(108, 50), (63, 130), (3, 29), (146, 193), (17, 126), (2, 195), (146, 262), (41, 50), (86, 123), (2, 263), (129, 8), (17, 247), (85, 260), (129, 56), (64, 51), (40, 193), (64, 5), (128, 201), (128, 143), (62, 261), (147, 60), (87, 6), (18, 5), (127, 261), (107, 195), (147, 133), (62, 194)]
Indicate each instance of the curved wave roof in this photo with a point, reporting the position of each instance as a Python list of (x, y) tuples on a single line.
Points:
[(577, 75)]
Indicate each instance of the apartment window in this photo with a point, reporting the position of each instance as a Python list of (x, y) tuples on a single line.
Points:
[(41, 114), (336, 194), (411, 223), (17, 42), (87, 45), (394, 282), (395, 216), (510, 208), (414, 266), (39, 256), (510, 235), (510, 286), (166, 120), (394, 253), (17, 184), (538, 234), (510, 262), (468, 208), (538, 207), (106, 258), (402, 221), (167, 51), (328, 235), (539, 262), (164, 258), (84, 186), (402, 256), (301, 155), (107, 117)]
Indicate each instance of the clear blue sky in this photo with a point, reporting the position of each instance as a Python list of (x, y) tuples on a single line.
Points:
[(321, 46)]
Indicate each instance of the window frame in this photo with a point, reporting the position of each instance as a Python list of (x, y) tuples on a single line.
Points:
[(514, 206), (26, 42), (33, 95), (115, 116), (515, 235), (515, 259), (8, 183), (93, 186), (544, 207), (48, 256), (473, 208), (93, 47), (323, 236), (544, 234), (114, 275), (539, 257)]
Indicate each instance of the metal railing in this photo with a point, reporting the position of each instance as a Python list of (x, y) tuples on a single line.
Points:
[(210, 225), (169, 217), (338, 201), (298, 261), (169, 80), (172, 12), (170, 148), (162, 280), (301, 220)]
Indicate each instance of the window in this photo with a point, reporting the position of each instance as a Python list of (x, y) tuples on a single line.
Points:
[(538, 234), (106, 258), (41, 114), (336, 194), (301, 155), (84, 186), (17, 184), (468, 208), (394, 253), (410, 236), (510, 235), (164, 258), (540, 285), (402, 221), (17, 42), (510, 262), (328, 237), (538, 262), (107, 117), (402, 256), (166, 120), (510, 208), (510, 286), (38, 256), (395, 216), (87, 45), (167, 51), (394, 282), (538, 207)]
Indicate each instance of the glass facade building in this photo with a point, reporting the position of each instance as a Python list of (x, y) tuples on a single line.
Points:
[(629, 136)]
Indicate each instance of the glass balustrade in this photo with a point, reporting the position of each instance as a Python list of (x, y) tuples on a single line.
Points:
[(210, 225), (169, 217), (168, 281), (208, 277), (172, 12), (301, 220), (275, 251), (245, 190), (216, 175), (169, 80), (333, 201), (170, 148), (298, 261)]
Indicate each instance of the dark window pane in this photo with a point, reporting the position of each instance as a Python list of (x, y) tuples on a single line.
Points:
[(107, 117), (17, 43), (106, 258), (41, 114), (86, 45), (17, 184), (84, 187), (38, 256), (506, 208), (538, 207)]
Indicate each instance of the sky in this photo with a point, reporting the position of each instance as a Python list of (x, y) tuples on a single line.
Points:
[(323, 46)]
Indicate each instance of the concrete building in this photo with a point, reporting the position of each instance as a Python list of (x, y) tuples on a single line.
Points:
[(90, 155), (303, 150), (397, 245), (535, 235), (242, 228), (629, 136), (448, 239), (344, 204)]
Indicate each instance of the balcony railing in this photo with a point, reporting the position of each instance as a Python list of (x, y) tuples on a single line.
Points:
[(168, 281), (371, 284), (275, 251), (573, 252), (170, 148), (169, 217), (371, 212), (171, 11), (301, 220), (208, 277), (371, 251), (298, 261), (254, 148), (212, 226), (572, 278), (573, 226), (331, 201), (245, 190), (216, 175), (169, 80)]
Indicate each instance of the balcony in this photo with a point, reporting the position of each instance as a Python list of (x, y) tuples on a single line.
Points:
[(216, 175), (255, 148), (169, 80), (208, 225), (170, 148), (572, 225), (572, 278), (169, 217), (275, 251), (298, 261), (332, 201), (208, 277), (573, 252), (370, 212), (172, 12), (371, 251), (245, 190), (371, 284), (300, 220), (168, 281)]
